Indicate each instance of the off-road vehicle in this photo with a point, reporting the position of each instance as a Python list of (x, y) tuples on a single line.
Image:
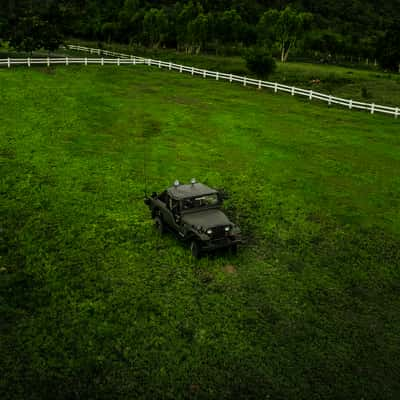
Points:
[(194, 213)]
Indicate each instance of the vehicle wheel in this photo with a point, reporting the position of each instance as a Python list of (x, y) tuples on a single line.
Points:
[(195, 249), (234, 248), (159, 224)]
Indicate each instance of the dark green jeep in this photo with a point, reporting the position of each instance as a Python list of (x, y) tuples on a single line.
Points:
[(194, 213)]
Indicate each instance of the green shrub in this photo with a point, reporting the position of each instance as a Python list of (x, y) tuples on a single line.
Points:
[(260, 62), (365, 94)]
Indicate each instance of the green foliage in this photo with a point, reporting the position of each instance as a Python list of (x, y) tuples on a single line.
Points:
[(365, 93), (260, 62), (109, 31), (284, 27), (155, 27), (198, 31), (28, 34), (94, 305)]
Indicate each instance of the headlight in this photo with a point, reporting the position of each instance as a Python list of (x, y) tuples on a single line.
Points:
[(227, 228), (209, 231)]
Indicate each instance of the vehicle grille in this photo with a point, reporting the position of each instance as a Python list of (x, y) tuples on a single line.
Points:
[(218, 232)]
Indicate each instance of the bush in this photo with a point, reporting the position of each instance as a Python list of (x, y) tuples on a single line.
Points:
[(365, 94), (260, 62)]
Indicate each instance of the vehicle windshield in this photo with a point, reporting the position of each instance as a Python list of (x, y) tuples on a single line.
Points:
[(203, 201)]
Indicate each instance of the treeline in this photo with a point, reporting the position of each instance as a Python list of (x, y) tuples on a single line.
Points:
[(326, 29)]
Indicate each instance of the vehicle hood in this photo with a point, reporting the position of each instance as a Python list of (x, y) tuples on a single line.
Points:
[(206, 218)]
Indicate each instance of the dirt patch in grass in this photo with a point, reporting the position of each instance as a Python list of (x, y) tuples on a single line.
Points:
[(46, 70), (182, 100), (229, 269)]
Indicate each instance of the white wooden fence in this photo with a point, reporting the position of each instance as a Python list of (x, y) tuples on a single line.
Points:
[(126, 59)]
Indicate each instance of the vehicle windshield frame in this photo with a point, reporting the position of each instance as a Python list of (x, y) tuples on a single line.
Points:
[(217, 204)]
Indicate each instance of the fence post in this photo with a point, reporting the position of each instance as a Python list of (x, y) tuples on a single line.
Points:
[(66, 61), (330, 100), (180, 68), (48, 61), (217, 76), (276, 87), (204, 73), (372, 108), (230, 78), (118, 61), (310, 94), (396, 112), (244, 81), (159, 64), (148, 62), (170, 66), (29, 62), (292, 90), (85, 60), (259, 84), (350, 104), (134, 61)]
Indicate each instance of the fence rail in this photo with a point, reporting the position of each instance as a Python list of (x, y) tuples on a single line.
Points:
[(126, 59)]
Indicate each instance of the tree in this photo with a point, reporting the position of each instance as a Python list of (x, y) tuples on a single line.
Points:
[(34, 25), (53, 24), (28, 34), (155, 26), (130, 20), (198, 30), (184, 32), (389, 50), (109, 31), (228, 26), (284, 27), (260, 61)]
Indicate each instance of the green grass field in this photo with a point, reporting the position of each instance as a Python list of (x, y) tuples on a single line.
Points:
[(94, 305)]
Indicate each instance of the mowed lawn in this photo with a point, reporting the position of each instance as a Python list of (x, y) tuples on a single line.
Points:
[(94, 305)]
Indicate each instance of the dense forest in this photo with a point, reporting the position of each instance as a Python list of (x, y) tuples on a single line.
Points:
[(333, 28), (326, 29)]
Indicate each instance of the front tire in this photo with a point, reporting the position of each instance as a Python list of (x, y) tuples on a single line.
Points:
[(195, 249), (234, 249), (159, 224)]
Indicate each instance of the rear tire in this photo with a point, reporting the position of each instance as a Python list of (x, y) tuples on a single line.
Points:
[(159, 224), (195, 249)]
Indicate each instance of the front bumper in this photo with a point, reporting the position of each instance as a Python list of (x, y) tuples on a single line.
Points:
[(221, 243)]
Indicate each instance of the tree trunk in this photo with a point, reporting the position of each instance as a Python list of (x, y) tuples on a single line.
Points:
[(286, 55)]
